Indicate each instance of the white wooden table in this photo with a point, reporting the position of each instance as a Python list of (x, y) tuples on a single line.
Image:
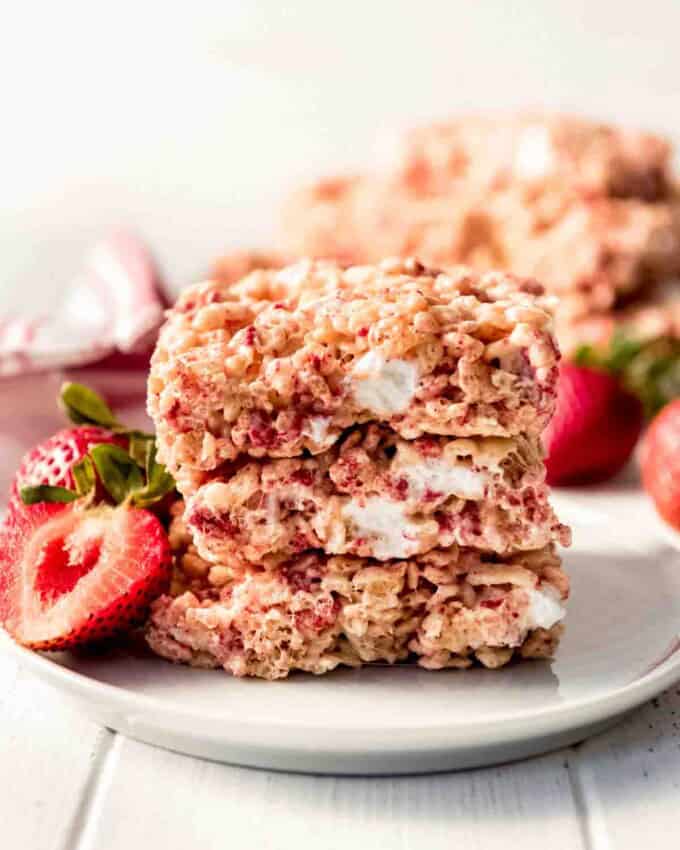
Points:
[(67, 784)]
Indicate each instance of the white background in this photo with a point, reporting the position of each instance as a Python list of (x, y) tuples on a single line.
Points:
[(190, 121)]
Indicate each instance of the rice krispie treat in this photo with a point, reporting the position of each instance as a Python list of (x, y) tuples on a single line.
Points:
[(376, 495), (448, 608), (653, 315), (348, 219), (232, 267), (593, 254), (536, 151), (284, 361), (590, 252)]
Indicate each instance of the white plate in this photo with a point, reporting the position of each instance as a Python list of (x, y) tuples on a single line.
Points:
[(621, 648), (671, 535)]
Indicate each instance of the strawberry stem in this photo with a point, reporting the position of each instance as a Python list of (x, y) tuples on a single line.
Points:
[(139, 447), (84, 475), (159, 482), (119, 473)]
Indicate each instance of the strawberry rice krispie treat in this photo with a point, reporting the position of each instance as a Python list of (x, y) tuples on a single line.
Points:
[(588, 209), (283, 362), (591, 252), (594, 254), (232, 267), (534, 150), (378, 496), (359, 452), (449, 608)]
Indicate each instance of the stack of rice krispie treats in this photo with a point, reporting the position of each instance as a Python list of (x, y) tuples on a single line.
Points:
[(588, 209), (358, 451)]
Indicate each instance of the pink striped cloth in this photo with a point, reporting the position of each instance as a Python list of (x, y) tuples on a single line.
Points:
[(101, 334), (113, 306)]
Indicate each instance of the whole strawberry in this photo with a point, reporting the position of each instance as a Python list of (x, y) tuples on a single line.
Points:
[(50, 463), (98, 458), (595, 427), (60, 462), (660, 463)]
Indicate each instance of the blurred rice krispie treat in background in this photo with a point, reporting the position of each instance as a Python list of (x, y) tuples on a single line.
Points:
[(594, 253), (359, 450), (535, 151), (588, 209), (232, 267)]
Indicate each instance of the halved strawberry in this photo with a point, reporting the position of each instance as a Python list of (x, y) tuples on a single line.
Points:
[(70, 576), (595, 427), (51, 462)]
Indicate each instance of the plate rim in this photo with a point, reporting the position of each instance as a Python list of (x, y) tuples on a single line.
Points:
[(670, 534), (548, 718)]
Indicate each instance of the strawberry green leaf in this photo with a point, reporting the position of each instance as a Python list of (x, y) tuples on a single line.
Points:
[(159, 482), (649, 369), (84, 475), (585, 355), (622, 352), (616, 358), (119, 473), (134, 474), (84, 406), (654, 375), (45, 493)]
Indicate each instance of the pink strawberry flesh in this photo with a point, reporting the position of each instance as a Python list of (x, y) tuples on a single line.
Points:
[(70, 576), (50, 462), (594, 430)]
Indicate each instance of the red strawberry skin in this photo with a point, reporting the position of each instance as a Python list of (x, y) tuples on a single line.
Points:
[(594, 430), (661, 463), (50, 462), (70, 576)]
